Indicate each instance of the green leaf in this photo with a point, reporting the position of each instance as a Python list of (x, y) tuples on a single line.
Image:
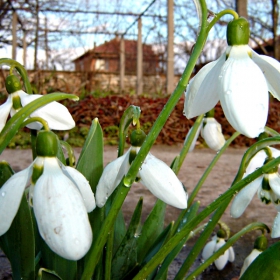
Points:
[(14, 123), (265, 266), (18, 242), (46, 274), (190, 214), (125, 258), (90, 162), (66, 269), (120, 231), (152, 227)]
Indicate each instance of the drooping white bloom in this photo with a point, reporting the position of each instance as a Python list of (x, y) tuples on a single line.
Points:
[(57, 115), (211, 132), (61, 198), (250, 258), (213, 246), (240, 79), (157, 176), (267, 185)]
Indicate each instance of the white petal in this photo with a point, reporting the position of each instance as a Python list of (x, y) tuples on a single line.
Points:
[(231, 254), (223, 259), (192, 146), (274, 183), (256, 162), (243, 93), (57, 115), (162, 182), (82, 183), (275, 233), (212, 134), (244, 197), (10, 197), (271, 70), (60, 213), (4, 111), (250, 258), (275, 152), (201, 95), (107, 182), (209, 248)]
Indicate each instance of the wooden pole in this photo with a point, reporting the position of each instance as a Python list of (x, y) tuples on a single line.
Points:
[(14, 35), (241, 8), (46, 44), (24, 48), (170, 48), (139, 86), (122, 64)]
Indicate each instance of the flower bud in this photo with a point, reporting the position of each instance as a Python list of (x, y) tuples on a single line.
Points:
[(238, 32), (137, 137), (46, 144), (260, 243), (12, 84)]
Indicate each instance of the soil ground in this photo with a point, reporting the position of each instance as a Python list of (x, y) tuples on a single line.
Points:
[(217, 182)]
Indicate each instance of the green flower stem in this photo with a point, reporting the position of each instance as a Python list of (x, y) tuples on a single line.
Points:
[(171, 103), (271, 131), (36, 119), (221, 14), (196, 249), (131, 114), (14, 123), (103, 234), (210, 167), (180, 159), (172, 243), (229, 243), (70, 152), (14, 64), (250, 153)]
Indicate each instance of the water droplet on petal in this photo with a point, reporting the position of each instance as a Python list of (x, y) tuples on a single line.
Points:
[(3, 193), (228, 92)]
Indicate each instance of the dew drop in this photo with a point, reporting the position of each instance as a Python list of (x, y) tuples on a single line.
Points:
[(228, 92), (3, 193)]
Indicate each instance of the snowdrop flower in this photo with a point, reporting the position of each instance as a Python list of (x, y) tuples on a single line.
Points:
[(240, 79), (211, 132), (259, 246), (61, 198), (157, 176), (213, 246), (267, 186), (57, 115)]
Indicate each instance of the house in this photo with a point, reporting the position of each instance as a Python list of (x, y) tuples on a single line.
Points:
[(106, 58)]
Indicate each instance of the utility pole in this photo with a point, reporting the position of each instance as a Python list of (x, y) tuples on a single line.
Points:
[(122, 64), (46, 44), (170, 48), (241, 8), (36, 36), (14, 35), (275, 21), (139, 86), (24, 48)]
